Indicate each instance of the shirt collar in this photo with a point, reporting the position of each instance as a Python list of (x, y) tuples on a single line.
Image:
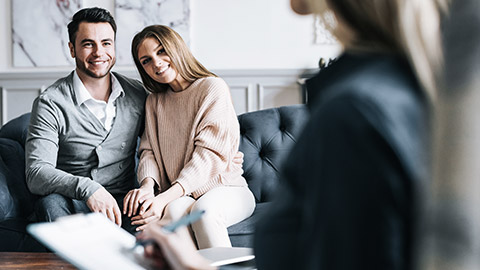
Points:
[(117, 89), (83, 95)]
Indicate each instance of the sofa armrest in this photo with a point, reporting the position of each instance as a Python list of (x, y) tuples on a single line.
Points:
[(16, 201), (16, 129)]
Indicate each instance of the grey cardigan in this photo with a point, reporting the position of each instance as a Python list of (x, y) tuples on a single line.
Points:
[(69, 152)]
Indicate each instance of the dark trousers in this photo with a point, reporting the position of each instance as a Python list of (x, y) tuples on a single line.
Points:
[(53, 206)]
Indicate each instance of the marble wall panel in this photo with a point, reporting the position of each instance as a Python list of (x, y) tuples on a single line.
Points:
[(39, 32), (133, 15), (39, 28)]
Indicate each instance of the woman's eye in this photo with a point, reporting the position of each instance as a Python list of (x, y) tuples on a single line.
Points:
[(161, 51), (144, 62)]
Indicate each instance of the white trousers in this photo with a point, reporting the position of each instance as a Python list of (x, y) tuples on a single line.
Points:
[(224, 206)]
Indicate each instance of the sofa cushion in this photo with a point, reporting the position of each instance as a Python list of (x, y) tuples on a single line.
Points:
[(16, 239), (266, 137), (241, 234)]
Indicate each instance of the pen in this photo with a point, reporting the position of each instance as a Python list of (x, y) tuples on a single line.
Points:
[(184, 221), (172, 227)]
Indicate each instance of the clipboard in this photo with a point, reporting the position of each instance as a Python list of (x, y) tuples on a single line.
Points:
[(90, 241)]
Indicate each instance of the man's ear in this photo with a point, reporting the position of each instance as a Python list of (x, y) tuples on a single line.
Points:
[(72, 49)]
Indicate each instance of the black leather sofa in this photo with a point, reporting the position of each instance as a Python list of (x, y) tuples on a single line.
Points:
[(266, 138)]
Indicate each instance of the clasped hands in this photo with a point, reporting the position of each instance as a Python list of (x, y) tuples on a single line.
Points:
[(140, 203), (142, 206)]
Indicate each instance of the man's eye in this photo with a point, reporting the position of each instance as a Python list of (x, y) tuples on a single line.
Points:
[(87, 44), (107, 44)]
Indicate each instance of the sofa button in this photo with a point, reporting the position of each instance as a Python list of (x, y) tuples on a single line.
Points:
[(99, 148), (123, 145)]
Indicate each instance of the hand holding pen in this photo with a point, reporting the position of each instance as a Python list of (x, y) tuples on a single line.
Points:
[(174, 249), (172, 227)]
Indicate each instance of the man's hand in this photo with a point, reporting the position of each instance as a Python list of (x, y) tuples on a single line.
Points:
[(101, 201)]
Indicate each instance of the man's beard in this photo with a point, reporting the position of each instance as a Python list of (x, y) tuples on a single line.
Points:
[(81, 66)]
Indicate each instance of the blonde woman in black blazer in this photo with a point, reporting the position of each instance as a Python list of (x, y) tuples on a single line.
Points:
[(349, 196)]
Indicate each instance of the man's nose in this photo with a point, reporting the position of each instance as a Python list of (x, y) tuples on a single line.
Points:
[(98, 51)]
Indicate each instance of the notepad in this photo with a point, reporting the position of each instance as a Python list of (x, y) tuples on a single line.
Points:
[(227, 255)]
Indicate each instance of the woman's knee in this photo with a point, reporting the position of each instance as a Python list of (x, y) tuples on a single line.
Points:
[(178, 208)]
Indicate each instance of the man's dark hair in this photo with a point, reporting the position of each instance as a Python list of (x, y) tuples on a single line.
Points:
[(91, 15)]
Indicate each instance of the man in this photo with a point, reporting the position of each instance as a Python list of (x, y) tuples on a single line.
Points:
[(80, 150)]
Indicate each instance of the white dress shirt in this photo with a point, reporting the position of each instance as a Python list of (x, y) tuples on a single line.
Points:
[(104, 111)]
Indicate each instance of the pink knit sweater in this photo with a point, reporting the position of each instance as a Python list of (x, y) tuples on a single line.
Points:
[(191, 138)]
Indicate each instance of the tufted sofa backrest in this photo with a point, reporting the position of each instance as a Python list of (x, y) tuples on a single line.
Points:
[(266, 137)]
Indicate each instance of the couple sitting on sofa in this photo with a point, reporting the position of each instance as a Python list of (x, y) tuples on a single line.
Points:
[(81, 145)]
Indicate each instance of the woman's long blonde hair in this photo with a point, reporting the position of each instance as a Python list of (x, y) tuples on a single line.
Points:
[(410, 27), (183, 60)]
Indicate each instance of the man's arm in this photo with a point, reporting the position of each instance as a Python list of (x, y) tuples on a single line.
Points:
[(41, 150), (43, 178)]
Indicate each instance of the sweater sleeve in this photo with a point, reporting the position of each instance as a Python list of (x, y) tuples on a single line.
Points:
[(148, 165), (216, 140), (41, 150)]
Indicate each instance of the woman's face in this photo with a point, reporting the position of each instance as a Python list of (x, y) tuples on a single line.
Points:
[(157, 64), (305, 7)]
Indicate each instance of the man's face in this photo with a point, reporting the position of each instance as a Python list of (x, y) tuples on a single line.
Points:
[(94, 49)]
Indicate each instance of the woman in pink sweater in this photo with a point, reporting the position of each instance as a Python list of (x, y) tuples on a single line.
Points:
[(190, 140)]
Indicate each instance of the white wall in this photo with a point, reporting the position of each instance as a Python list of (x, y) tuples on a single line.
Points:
[(226, 34)]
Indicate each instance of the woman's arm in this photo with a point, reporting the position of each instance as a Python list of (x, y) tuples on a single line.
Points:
[(148, 172)]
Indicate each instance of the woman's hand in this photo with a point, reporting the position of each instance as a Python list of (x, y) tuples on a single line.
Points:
[(174, 249), (151, 210), (238, 159), (137, 197)]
